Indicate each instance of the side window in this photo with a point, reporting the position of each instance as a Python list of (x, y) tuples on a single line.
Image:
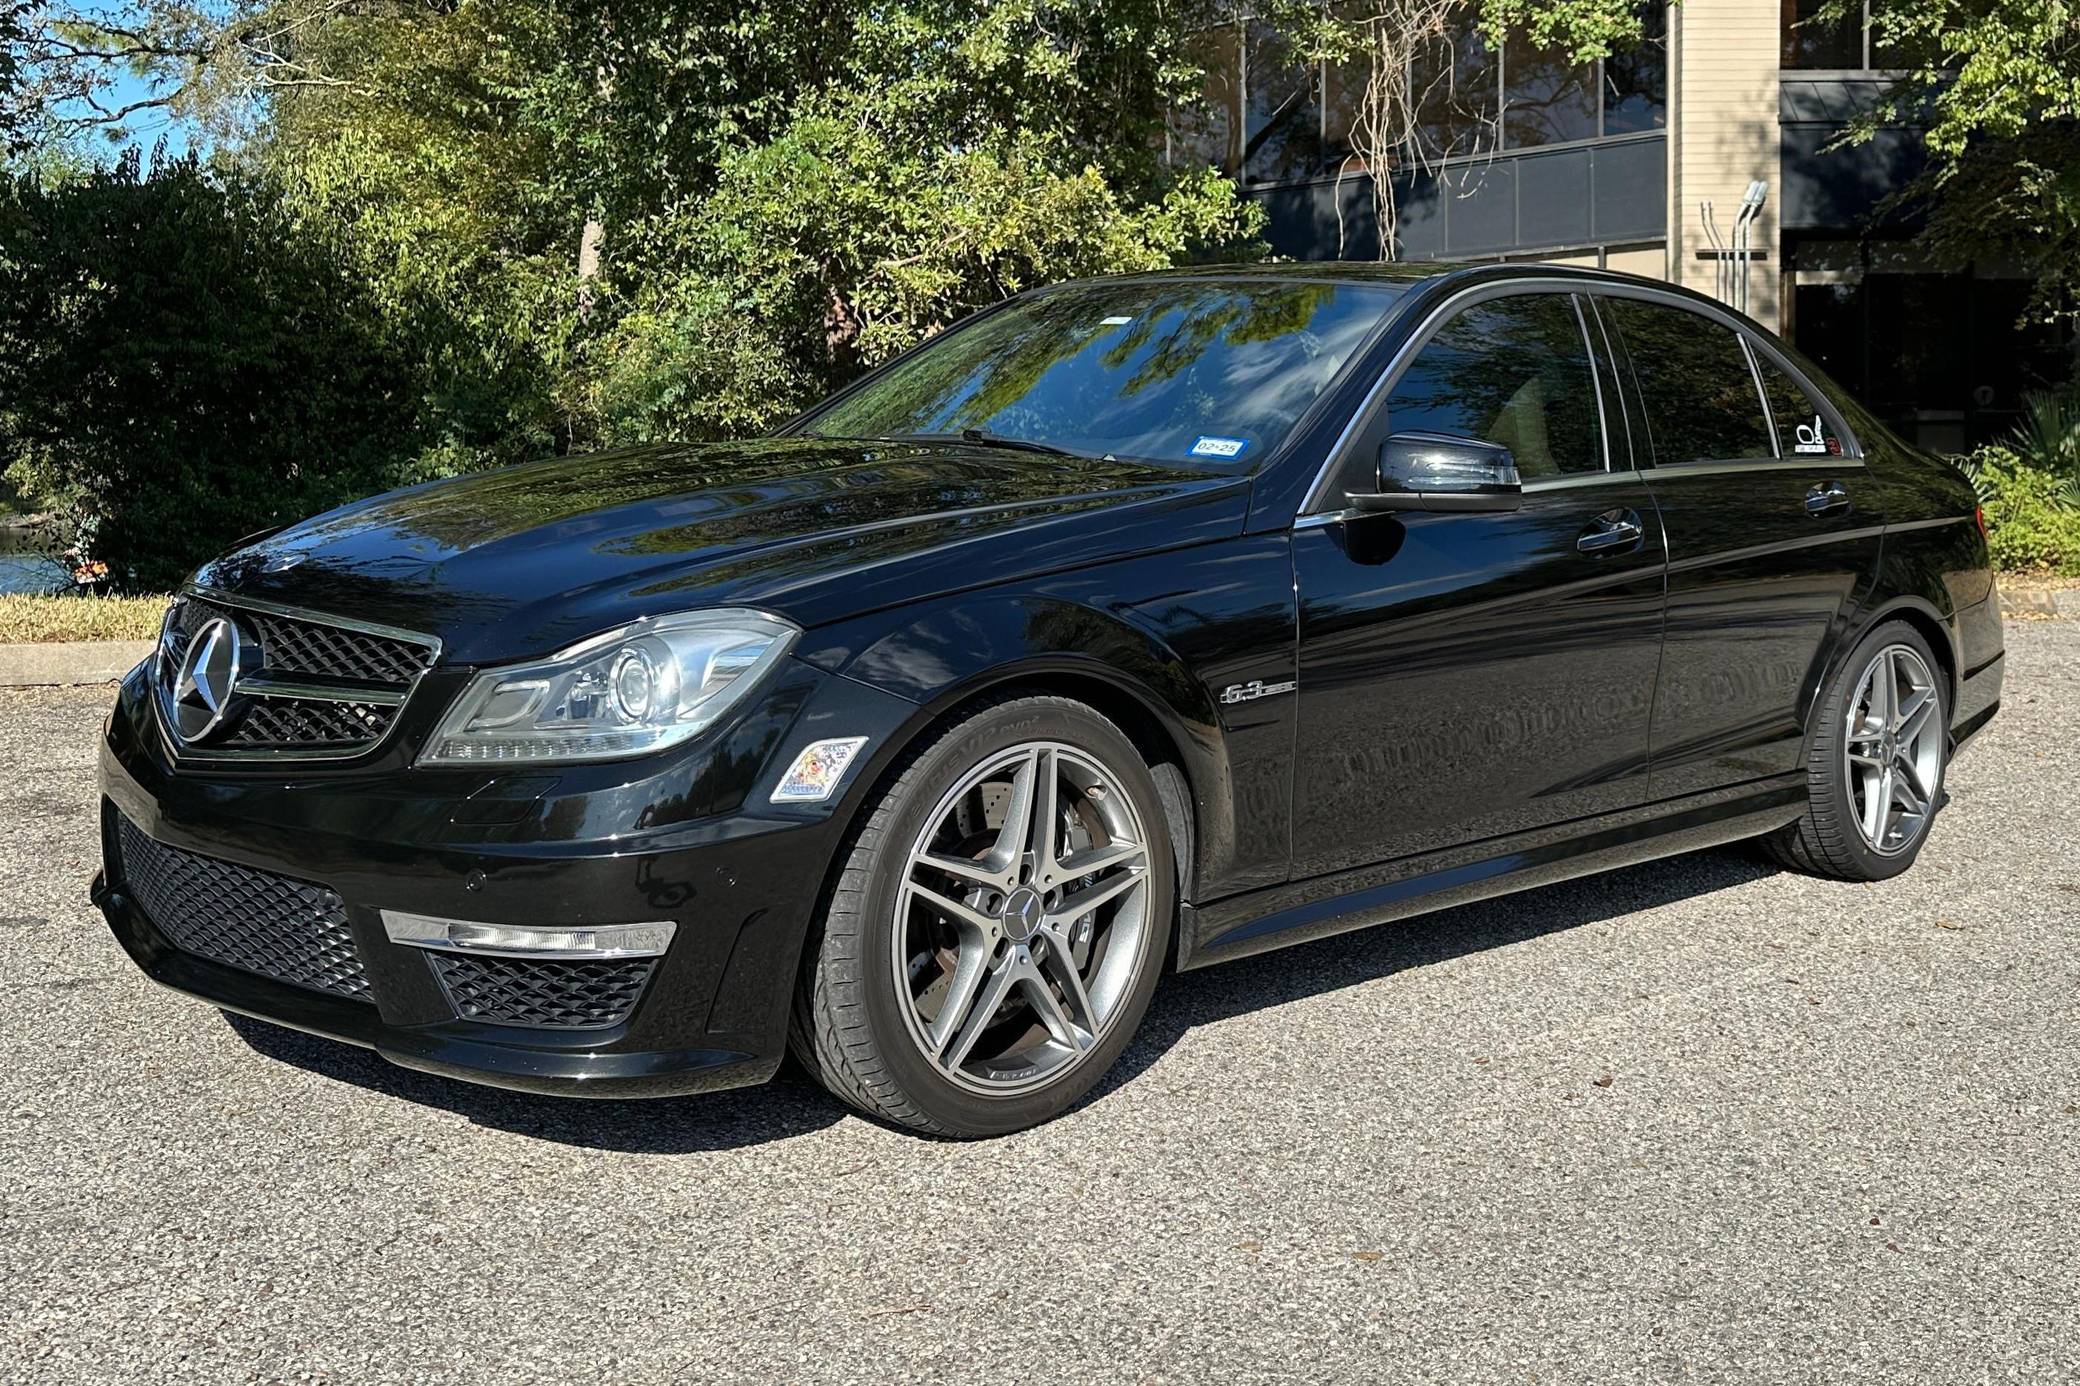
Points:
[(1694, 380), (1513, 371), (1803, 429)]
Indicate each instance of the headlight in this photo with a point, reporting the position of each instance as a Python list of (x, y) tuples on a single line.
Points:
[(626, 693)]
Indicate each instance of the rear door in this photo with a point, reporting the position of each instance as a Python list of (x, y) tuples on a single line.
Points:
[(1467, 675), (1771, 537)]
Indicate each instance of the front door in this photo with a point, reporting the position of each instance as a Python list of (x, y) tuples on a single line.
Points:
[(1772, 533), (1463, 676)]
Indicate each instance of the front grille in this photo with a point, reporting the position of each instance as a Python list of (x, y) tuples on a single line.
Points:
[(299, 647), (290, 930), (349, 683), (574, 995), (311, 722)]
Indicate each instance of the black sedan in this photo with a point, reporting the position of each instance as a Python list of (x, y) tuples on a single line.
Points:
[(1131, 624)]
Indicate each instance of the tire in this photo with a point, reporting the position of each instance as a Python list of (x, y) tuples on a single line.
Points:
[(907, 966), (1833, 837)]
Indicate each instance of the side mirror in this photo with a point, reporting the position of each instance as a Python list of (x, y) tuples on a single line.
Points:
[(1441, 471)]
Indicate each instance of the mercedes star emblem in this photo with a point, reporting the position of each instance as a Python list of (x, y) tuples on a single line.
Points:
[(209, 672)]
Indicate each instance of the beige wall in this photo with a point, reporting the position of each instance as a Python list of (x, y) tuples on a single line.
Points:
[(1723, 91), (1651, 261)]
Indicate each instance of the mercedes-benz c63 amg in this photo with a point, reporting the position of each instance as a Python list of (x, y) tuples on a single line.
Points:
[(1128, 625)]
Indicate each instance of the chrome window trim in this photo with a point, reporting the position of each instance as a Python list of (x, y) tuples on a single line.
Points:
[(1389, 376), (1610, 354), (1725, 317), (1815, 463), (1769, 419), (263, 687), (1603, 423)]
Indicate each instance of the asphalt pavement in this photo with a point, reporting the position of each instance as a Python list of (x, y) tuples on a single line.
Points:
[(1696, 1120)]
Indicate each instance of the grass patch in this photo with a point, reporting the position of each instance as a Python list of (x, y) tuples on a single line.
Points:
[(26, 620)]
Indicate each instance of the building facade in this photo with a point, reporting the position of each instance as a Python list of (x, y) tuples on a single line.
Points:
[(1633, 164)]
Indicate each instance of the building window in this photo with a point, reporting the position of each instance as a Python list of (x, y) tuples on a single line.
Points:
[(1850, 43), (1267, 117), (1547, 97), (1635, 82)]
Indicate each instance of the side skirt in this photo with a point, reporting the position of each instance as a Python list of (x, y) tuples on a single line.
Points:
[(1278, 916)]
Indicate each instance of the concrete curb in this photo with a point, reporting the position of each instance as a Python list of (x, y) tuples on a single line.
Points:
[(2026, 600), (65, 663)]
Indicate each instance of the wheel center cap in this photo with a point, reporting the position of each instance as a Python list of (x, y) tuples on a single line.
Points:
[(1023, 911)]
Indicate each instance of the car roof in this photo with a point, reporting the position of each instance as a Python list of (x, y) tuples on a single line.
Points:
[(1385, 271), (1424, 274)]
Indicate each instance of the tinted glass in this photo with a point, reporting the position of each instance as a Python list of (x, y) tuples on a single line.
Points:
[(1284, 132), (1211, 373), (1810, 42), (1635, 80), (1802, 429), (1513, 371), (1453, 87), (1209, 130), (1547, 97), (1694, 379)]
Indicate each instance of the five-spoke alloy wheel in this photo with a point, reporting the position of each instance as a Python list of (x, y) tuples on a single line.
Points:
[(998, 926), (1024, 918), (1893, 749), (1874, 763)]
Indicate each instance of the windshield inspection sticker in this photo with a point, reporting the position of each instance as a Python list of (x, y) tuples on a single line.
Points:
[(1812, 437), (1209, 446)]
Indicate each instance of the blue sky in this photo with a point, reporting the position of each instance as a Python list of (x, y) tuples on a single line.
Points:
[(146, 128)]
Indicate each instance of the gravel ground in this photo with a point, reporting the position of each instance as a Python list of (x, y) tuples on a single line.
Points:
[(1696, 1119)]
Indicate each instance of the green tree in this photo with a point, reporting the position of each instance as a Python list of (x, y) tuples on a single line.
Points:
[(1997, 89), (179, 366)]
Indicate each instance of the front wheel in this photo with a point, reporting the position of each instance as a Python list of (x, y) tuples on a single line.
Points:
[(997, 926), (1875, 762)]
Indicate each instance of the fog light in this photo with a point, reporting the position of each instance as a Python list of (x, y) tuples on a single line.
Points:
[(529, 940), (817, 771)]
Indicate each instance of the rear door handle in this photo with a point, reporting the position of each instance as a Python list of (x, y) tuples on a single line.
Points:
[(1611, 532), (1827, 497)]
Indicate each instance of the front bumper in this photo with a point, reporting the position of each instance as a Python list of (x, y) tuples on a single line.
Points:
[(587, 845)]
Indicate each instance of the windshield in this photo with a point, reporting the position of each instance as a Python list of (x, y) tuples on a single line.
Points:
[(1210, 373)]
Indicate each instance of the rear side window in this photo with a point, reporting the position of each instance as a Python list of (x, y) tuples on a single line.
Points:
[(1513, 371), (1802, 426), (1694, 380)]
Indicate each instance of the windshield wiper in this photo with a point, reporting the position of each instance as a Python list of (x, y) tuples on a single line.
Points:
[(982, 438)]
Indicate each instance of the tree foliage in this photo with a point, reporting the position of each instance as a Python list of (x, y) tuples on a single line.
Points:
[(179, 365), (537, 226)]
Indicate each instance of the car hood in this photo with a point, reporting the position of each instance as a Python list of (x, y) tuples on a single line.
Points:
[(527, 559)]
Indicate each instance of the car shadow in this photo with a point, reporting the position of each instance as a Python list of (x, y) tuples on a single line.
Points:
[(793, 1104), (1187, 1000)]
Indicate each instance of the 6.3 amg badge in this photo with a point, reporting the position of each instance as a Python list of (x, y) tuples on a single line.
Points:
[(1254, 689)]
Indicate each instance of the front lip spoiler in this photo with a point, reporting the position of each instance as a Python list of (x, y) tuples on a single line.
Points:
[(435, 1049)]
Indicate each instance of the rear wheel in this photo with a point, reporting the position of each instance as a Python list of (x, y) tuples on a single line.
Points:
[(1875, 762), (997, 927)]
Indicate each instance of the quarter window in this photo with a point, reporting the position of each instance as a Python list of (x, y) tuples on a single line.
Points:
[(1802, 427), (1513, 371), (1700, 396)]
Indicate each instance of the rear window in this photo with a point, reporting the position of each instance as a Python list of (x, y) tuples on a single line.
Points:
[(1801, 425), (1694, 380), (1211, 373)]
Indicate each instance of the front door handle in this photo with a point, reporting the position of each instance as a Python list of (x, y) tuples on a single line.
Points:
[(1827, 497), (1611, 532)]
